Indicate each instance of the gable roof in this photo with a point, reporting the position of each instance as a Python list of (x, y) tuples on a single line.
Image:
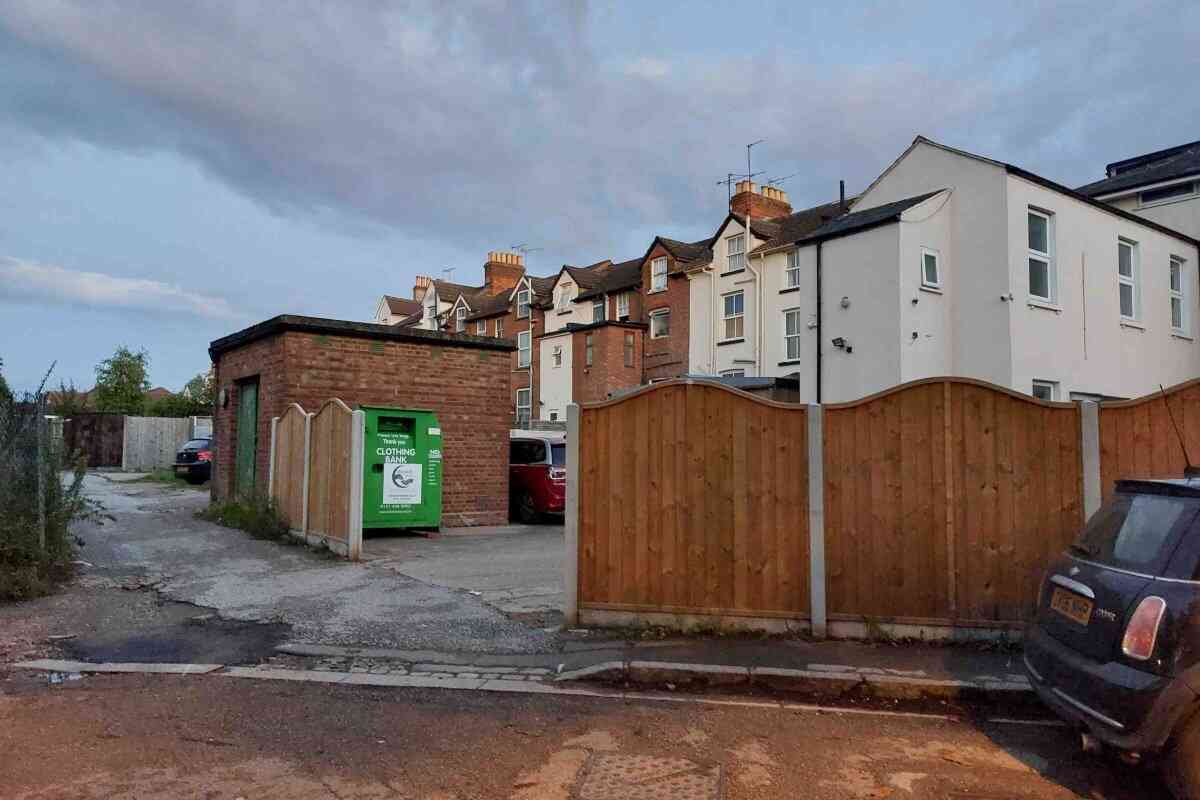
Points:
[(854, 222), (449, 292), (488, 306), (801, 223), (400, 305), (1162, 165), (686, 254), (1043, 182), (585, 277), (613, 278)]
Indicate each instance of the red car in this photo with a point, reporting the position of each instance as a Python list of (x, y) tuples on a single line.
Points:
[(537, 474)]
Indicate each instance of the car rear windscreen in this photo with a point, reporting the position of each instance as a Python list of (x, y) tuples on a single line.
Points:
[(1137, 532), (558, 455), (195, 444)]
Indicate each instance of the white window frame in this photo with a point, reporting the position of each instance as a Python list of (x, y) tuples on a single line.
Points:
[(623, 305), (1046, 257), (499, 327), (735, 259), (628, 350), (481, 327), (589, 352), (527, 405), (1133, 280), (1050, 386), (658, 274), (564, 297), (1175, 275), (936, 283), (727, 318), (460, 319), (598, 308), (792, 340), (556, 354), (522, 304), (791, 275), (656, 318), (1188, 188), (733, 373), (523, 350)]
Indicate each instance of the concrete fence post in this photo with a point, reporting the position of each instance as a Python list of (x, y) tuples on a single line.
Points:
[(271, 463), (1089, 418), (816, 521), (308, 418), (358, 426), (571, 521)]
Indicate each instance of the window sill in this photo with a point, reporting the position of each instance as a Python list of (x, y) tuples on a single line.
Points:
[(1044, 305), (1133, 323), (1187, 337), (565, 311), (662, 336), (732, 272), (791, 363), (724, 342), (932, 289), (522, 369), (789, 289), (656, 291)]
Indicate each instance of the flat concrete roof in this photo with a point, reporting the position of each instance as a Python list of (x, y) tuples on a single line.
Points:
[(286, 323)]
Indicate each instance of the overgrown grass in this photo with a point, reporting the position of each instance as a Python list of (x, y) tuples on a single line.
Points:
[(165, 475), (258, 516)]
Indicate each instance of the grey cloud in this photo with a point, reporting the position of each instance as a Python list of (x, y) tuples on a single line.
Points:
[(484, 123)]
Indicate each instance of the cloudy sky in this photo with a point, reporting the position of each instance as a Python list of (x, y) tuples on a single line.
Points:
[(172, 172)]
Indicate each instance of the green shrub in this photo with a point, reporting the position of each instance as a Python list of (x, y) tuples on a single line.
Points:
[(258, 516)]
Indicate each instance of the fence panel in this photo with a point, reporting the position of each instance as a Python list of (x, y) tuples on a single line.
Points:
[(96, 437), (944, 499), (1138, 439), (288, 471), (151, 443), (694, 500), (329, 472)]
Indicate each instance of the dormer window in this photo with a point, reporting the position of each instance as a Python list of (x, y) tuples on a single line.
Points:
[(522, 306), (658, 274), (564, 297), (460, 319)]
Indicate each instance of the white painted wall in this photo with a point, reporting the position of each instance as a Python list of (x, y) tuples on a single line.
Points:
[(721, 357), (1083, 344), (1182, 215), (926, 311), (555, 381), (577, 313)]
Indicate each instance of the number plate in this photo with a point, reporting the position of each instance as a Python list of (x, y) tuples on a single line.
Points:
[(1072, 606), (181, 470)]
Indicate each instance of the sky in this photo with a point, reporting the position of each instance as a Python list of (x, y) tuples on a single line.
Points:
[(174, 172)]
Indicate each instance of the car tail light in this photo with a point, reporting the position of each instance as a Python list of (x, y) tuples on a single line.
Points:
[(1142, 631), (558, 474), (204, 455)]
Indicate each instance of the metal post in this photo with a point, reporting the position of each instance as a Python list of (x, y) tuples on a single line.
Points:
[(1089, 432), (571, 520), (357, 449), (816, 521)]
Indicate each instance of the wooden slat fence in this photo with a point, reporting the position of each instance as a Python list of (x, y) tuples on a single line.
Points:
[(329, 471), (944, 499), (151, 443), (288, 470), (1137, 437), (694, 499)]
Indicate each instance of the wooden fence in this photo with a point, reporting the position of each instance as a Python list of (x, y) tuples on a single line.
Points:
[(932, 507), (693, 499), (150, 443), (96, 437), (316, 474)]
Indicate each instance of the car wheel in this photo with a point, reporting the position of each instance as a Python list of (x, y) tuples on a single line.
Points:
[(526, 510), (1182, 764)]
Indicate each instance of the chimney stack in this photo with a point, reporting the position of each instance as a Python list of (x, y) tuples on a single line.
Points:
[(766, 202), (421, 283), (502, 271)]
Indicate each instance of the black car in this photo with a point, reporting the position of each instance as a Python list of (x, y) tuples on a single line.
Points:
[(193, 462), (1115, 644)]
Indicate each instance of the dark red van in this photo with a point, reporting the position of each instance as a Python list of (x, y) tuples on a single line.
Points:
[(537, 474)]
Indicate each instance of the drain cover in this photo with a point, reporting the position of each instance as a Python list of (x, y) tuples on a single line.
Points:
[(615, 777)]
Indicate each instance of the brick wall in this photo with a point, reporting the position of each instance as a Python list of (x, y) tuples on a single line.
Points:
[(608, 372), (466, 387), (666, 357)]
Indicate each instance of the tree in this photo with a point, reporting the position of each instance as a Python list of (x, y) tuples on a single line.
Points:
[(5, 392), (202, 390), (67, 401), (121, 382)]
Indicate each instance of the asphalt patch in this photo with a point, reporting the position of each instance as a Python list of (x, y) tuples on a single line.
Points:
[(181, 633)]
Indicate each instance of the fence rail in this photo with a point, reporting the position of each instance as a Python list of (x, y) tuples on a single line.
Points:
[(935, 505)]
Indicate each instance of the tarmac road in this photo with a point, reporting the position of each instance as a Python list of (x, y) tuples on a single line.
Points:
[(159, 737)]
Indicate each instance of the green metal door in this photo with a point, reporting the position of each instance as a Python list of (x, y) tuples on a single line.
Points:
[(247, 437)]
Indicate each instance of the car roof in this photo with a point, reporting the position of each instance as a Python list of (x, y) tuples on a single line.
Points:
[(1179, 487)]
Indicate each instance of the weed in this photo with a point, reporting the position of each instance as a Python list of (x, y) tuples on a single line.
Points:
[(258, 516)]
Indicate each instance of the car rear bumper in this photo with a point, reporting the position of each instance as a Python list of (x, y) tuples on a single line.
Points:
[(1123, 707), (194, 468)]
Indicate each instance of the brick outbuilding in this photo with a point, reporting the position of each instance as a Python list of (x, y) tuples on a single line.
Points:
[(291, 359)]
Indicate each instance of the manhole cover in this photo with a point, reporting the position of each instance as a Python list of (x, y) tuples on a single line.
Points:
[(614, 777)]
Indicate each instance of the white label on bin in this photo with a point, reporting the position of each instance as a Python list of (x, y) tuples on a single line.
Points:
[(435, 431), (401, 483)]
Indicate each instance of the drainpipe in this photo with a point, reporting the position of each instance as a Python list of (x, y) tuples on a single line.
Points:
[(712, 310), (820, 338), (757, 306)]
